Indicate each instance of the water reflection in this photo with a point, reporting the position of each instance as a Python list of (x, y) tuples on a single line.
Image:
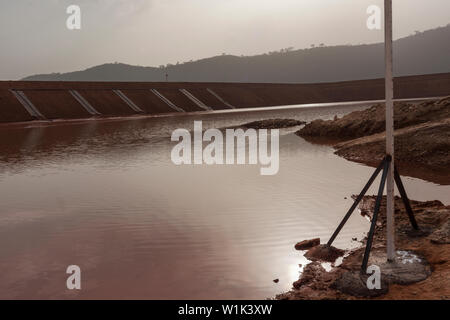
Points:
[(105, 196)]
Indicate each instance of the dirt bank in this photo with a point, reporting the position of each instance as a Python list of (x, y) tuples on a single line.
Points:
[(421, 151), (433, 245), (371, 121), (272, 124), (422, 138)]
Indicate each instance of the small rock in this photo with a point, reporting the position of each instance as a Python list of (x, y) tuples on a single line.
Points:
[(276, 280), (324, 253), (307, 244), (442, 234)]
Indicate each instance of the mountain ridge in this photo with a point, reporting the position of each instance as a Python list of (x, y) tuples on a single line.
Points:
[(423, 53)]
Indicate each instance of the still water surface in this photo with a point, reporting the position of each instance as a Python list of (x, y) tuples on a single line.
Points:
[(106, 197)]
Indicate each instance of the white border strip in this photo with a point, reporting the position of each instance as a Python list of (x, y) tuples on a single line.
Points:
[(27, 104), (128, 101), (84, 103), (195, 100), (220, 98), (167, 101)]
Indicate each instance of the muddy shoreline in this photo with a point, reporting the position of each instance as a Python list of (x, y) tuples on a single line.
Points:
[(422, 151), (433, 245), (422, 138)]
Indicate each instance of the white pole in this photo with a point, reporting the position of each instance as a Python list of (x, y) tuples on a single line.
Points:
[(389, 86)]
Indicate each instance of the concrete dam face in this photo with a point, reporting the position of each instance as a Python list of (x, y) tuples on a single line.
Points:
[(27, 101)]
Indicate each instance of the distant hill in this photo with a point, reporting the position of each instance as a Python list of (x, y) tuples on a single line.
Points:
[(423, 53)]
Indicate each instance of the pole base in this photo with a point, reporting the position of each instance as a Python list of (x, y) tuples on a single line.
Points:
[(408, 267), (384, 167)]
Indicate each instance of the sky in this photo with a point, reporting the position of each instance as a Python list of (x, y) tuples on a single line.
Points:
[(34, 38)]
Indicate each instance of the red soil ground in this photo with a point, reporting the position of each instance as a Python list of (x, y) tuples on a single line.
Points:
[(10, 109), (107, 102), (56, 104), (434, 246)]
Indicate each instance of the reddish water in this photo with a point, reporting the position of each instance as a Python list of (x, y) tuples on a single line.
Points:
[(105, 196)]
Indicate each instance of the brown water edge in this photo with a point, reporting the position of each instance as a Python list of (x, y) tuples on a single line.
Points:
[(238, 114), (421, 137), (431, 244), (433, 174), (428, 173), (105, 196)]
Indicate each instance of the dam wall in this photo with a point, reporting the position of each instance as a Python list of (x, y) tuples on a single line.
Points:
[(27, 101)]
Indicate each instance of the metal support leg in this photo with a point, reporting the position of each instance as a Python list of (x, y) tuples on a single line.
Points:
[(405, 199), (387, 163), (357, 201)]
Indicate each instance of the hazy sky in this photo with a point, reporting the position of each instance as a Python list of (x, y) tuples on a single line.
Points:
[(34, 37)]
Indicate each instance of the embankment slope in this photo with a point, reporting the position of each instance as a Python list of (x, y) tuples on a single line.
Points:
[(54, 99)]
